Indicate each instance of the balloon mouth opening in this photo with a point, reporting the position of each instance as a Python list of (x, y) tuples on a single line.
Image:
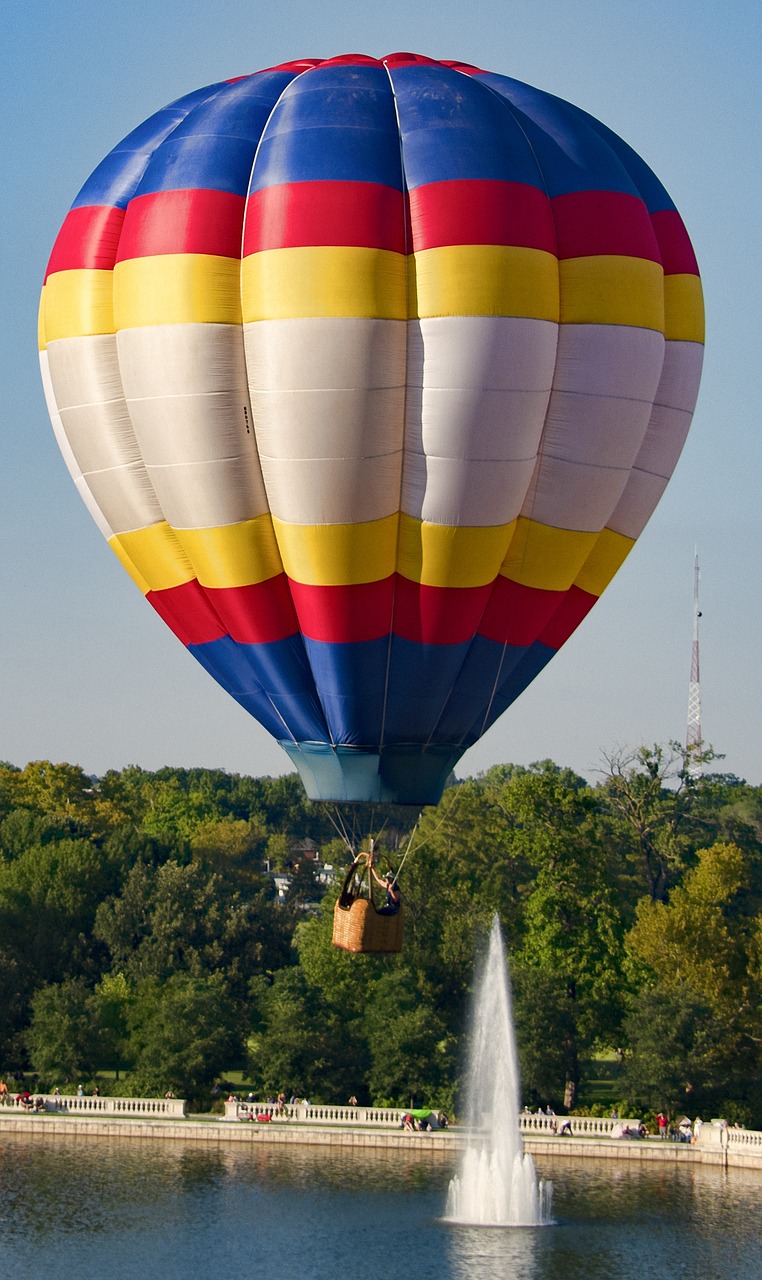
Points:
[(398, 774)]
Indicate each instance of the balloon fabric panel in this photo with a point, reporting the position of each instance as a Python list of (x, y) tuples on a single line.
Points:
[(372, 372)]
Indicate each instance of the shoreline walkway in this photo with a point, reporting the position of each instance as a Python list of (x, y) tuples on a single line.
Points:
[(591, 1138)]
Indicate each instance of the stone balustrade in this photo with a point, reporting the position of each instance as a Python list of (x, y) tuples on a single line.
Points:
[(751, 1138), (391, 1118), (313, 1113), (581, 1126), (71, 1104), (718, 1135)]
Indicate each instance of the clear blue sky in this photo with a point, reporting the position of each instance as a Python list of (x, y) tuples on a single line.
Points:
[(89, 674)]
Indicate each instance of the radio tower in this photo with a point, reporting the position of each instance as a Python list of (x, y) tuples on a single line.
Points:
[(693, 732)]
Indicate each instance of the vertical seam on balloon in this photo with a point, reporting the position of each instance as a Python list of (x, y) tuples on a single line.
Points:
[(404, 404), (509, 107), (319, 701), (506, 105)]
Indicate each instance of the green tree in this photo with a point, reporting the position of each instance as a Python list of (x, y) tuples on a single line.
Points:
[(696, 941), (175, 918), (695, 963), (183, 1032), (648, 797), (678, 1051), (570, 928), (546, 1034), (111, 1004), (48, 899), (413, 1050), (62, 793), (233, 849), (342, 981), (301, 1045), (63, 1035)]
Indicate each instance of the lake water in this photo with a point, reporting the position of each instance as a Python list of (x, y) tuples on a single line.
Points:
[(99, 1209)]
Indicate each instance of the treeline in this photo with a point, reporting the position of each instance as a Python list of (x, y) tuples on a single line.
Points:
[(141, 934)]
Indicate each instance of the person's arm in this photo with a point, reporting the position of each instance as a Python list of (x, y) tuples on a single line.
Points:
[(378, 879)]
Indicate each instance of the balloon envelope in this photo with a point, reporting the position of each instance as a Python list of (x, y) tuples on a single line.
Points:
[(371, 372)]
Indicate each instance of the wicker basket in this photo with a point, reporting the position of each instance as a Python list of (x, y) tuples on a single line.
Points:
[(358, 925)]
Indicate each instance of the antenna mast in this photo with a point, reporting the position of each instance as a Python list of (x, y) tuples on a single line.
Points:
[(693, 732)]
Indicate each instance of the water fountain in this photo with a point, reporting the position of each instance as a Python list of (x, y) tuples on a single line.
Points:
[(497, 1182)]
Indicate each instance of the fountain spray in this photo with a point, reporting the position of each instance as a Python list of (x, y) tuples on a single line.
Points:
[(497, 1182)]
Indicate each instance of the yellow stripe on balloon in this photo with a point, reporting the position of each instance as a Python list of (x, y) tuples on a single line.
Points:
[(484, 280), (159, 557), (449, 556), (42, 341), (177, 288), (153, 557), (238, 555), (323, 280), (606, 558), (233, 555), (545, 557), (608, 289), (78, 304), (683, 308), (335, 555)]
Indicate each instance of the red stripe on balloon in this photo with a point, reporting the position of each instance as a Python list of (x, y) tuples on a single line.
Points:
[(367, 611), (346, 614), (291, 215), (191, 221), (437, 615), (302, 64), (467, 67), (88, 240), (481, 211), (575, 606), (404, 59), (258, 614), (265, 612), (603, 222), (674, 244), (350, 59), (187, 611), (517, 614)]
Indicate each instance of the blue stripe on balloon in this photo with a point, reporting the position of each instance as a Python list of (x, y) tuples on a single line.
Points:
[(482, 667), (378, 691), (422, 678), (492, 679), (116, 178), (651, 191), (332, 123), (572, 154), (215, 145), (190, 164), (272, 681), (350, 679), (518, 679), (453, 126)]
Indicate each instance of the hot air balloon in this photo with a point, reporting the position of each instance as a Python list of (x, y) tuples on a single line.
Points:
[(371, 371)]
